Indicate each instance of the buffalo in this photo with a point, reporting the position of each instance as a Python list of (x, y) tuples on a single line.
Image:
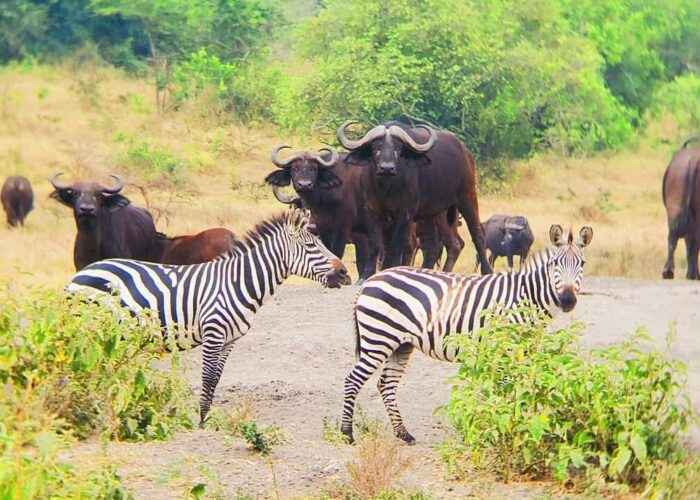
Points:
[(507, 236), (431, 236), (331, 190), (412, 174), (108, 226), (681, 196), (197, 248), (17, 199)]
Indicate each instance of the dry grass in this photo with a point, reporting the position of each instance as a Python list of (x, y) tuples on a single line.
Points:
[(61, 119), (381, 460)]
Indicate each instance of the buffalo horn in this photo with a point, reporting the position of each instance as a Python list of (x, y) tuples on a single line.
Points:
[(400, 133), (114, 190), (334, 157), (55, 184), (284, 163), (287, 199), (512, 225), (350, 145)]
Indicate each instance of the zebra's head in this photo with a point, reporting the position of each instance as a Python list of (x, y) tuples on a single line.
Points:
[(566, 264), (309, 257)]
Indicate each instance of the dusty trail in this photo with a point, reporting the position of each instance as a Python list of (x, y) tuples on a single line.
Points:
[(293, 363)]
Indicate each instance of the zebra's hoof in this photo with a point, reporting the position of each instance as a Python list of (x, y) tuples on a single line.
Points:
[(406, 438), (348, 437)]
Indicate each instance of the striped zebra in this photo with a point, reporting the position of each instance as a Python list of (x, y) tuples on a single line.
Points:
[(402, 309), (213, 303)]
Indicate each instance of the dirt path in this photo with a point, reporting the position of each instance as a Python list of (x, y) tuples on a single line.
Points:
[(293, 364)]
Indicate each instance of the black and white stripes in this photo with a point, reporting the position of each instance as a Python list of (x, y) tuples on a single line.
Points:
[(403, 309), (213, 304)]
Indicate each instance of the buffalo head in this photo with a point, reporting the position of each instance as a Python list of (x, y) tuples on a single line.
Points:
[(385, 146), (306, 171), (89, 199)]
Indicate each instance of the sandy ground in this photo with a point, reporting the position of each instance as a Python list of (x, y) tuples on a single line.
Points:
[(293, 362)]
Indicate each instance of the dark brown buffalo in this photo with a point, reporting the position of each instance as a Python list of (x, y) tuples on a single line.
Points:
[(196, 248), (431, 236), (412, 174), (17, 199), (108, 226), (331, 190), (681, 196), (508, 236)]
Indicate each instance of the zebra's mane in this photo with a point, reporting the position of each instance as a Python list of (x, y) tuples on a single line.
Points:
[(259, 233), (538, 259)]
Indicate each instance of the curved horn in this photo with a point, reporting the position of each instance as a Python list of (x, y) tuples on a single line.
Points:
[(114, 190), (349, 144), (513, 225), (284, 163), (400, 133), (334, 157), (287, 199), (55, 184)]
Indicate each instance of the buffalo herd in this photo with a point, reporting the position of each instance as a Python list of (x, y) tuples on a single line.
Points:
[(396, 191)]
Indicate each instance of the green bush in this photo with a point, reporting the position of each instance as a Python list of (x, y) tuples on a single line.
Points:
[(89, 368), (679, 100), (527, 400)]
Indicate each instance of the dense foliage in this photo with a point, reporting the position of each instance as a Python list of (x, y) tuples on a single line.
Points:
[(510, 78), (528, 401), (70, 369)]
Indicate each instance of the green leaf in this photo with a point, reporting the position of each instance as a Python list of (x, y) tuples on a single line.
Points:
[(620, 461), (639, 447), (577, 457), (198, 491)]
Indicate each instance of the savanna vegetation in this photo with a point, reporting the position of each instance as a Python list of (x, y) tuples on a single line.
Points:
[(571, 107)]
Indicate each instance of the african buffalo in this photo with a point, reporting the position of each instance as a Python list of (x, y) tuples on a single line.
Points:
[(17, 199), (197, 248), (507, 236), (681, 196), (412, 174), (108, 226), (331, 190), (431, 236)]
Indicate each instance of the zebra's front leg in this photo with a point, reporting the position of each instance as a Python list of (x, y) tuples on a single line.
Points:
[(214, 356), (394, 368)]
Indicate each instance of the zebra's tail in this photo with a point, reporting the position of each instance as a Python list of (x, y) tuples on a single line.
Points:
[(356, 329)]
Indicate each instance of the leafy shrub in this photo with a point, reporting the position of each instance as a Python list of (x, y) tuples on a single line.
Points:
[(88, 367), (150, 161), (680, 100), (528, 401), (261, 440)]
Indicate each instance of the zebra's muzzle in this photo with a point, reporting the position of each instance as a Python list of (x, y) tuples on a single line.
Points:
[(567, 299), (338, 275)]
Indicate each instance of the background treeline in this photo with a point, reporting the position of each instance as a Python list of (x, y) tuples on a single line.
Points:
[(510, 78)]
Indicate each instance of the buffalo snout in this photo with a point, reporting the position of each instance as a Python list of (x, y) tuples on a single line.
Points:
[(567, 299), (304, 185), (386, 169), (338, 275)]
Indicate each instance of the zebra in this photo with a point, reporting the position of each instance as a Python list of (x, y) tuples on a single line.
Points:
[(403, 308), (212, 304)]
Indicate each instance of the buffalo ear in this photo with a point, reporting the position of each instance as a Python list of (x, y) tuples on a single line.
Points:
[(328, 179), (279, 178), (414, 159), (114, 202), (63, 196), (360, 157)]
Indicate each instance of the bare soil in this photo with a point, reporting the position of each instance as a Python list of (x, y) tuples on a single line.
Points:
[(293, 363)]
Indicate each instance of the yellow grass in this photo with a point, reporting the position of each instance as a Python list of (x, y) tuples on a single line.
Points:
[(61, 119)]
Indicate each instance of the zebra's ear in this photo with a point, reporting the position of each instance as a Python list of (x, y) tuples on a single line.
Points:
[(585, 236), (555, 234)]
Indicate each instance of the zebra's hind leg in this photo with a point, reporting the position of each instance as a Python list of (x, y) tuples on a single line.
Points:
[(394, 368), (213, 360), (366, 365)]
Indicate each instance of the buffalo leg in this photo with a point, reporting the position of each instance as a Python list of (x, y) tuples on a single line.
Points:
[(361, 251), (411, 248), (453, 244), (394, 250), (669, 267), (429, 242), (691, 249), (469, 208), (375, 244)]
